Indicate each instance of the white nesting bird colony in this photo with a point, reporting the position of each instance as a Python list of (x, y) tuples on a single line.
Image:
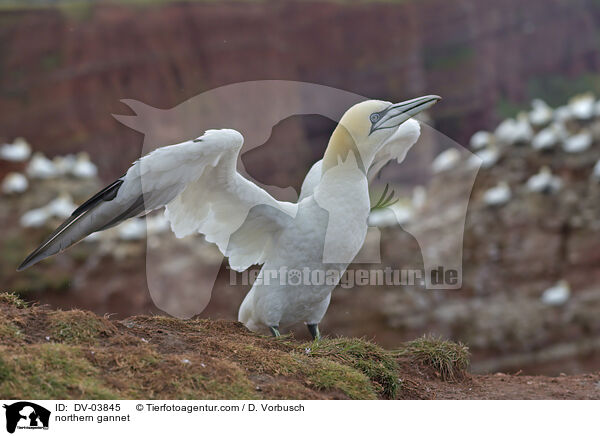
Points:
[(541, 114), (14, 183), (18, 151), (557, 295), (498, 195), (481, 139), (446, 160), (544, 182), (563, 114), (579, 142), (203, 193), (40, 167)]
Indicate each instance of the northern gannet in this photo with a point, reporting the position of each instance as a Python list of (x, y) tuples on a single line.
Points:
[(557, 295), (578, 142), (514, 131), (541, 114), (18, 151), (445, 161), (544, 182), (498, 195), (198, 183), (582, 106), (14, 183), (40, 167), (481, 139), (83, 167), (486, 157)]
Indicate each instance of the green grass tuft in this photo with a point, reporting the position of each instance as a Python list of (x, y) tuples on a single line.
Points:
[(77, 327), (377, 364), (13, 300), (448, 360)]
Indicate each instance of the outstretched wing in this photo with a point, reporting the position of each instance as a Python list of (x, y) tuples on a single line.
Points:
[(198, 183)]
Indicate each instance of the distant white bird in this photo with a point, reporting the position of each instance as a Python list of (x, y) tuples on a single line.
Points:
[(578, 143), (544, 182), (132, 230), (397, 214), (18, 151), (557, 295), (481, 139), (62, 206), (582, 106), (445, 161), (157, 224), (14, 183), (512, 132), (35, 218), (203, 193), (40, 167), (498, 195), (549, 137), (64, 164), (486, 157), (541, 114), (84, 168)]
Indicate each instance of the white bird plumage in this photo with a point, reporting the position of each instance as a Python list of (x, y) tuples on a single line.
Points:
[(18, 151), (198, 184), (544, 182), (498, 195), (14, 183)]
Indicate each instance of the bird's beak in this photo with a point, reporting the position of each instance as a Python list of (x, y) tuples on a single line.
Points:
[(398, 113)]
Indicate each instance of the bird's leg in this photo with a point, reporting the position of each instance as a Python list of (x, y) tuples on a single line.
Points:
[(275, 330), (314, 331)]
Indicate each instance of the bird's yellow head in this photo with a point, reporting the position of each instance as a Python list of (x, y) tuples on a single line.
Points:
[(367, 126)]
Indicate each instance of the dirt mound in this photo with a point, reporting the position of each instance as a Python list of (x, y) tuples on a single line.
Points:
[(76, 354)]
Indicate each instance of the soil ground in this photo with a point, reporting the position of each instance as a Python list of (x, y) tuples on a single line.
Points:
[(76, 354)]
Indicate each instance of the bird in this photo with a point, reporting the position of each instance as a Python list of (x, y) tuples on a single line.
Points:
[(541, 114), (514, 131), (544, 182), (18, 151), (582, 106), (578, 143), (486, 157), (83, 167), (550, 136), (14, 183), (481, 139), (40, 167), (557, 295), (498, 195), (198, 184), (446, 160)]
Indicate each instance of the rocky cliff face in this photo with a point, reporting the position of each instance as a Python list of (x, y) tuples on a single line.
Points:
[(63, 71)]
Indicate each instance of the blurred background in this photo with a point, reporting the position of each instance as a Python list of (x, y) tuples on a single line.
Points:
[(520, 82)]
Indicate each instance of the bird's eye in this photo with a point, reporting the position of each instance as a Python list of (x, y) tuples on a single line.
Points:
[(374, 118)]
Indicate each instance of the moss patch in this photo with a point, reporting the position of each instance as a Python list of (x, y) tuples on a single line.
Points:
[(13, 300)]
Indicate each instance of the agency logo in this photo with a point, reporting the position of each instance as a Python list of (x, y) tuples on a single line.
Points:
[(26, 415)]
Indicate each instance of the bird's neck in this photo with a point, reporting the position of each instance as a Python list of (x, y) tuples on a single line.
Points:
[(340, 145)]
